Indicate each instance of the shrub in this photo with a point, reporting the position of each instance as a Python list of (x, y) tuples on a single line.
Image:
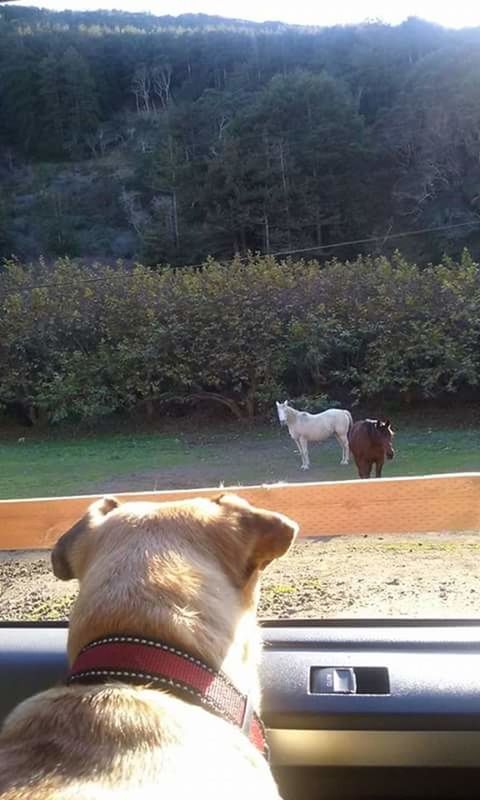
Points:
[(80, 341)]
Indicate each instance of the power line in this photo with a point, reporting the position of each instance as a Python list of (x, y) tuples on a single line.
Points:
[(384, 238), (100, 279)]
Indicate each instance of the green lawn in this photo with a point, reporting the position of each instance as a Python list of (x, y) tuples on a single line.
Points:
[(424, 452), (70, 466), (232, 455)]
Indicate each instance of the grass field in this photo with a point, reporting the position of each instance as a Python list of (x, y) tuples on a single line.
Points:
[(352, 576), (66, 464), (48, 467)]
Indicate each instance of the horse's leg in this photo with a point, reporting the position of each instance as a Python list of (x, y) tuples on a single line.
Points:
[(298, 442), (343, 442), (361, 465), (378, 469), (364, 467), (299, 446), (305, 457)]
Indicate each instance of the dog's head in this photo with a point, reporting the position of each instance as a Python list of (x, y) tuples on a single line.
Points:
[(245, 538), (189, 566)]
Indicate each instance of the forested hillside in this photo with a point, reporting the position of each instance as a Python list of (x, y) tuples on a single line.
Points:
[(168, 140)]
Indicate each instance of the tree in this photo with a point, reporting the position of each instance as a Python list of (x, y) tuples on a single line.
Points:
[(52, 114), (18, 95), (432, 138), (233, 137), (81, 113), (142, 89), (298, 168)]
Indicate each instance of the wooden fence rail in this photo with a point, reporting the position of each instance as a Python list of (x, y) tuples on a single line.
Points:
[(434, 503)]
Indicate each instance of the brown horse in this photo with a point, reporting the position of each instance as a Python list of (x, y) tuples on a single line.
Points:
[(370, 443)]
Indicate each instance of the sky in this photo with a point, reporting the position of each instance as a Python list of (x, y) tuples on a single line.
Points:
[(459, 14)]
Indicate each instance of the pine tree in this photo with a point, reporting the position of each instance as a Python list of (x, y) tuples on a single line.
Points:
[(18, 97), (79, 99), (52, 113)]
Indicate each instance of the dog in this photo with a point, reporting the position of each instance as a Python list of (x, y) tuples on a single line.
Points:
[(162, 697)]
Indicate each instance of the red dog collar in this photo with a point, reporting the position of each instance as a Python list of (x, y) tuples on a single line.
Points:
[(131, 659)]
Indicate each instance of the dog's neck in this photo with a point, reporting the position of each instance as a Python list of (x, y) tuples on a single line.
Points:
[(158, 665), (205, 617)]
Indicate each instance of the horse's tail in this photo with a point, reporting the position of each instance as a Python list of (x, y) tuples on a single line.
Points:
[(350, 422)]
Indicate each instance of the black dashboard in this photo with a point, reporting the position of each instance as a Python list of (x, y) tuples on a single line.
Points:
[(345, 702)]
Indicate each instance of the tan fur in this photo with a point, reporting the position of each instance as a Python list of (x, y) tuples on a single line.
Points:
[(185, 572)]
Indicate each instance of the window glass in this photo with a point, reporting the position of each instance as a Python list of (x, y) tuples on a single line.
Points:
[(203, 217)]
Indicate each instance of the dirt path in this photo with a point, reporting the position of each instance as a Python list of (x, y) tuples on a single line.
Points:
[(233, 459), (393, 576)]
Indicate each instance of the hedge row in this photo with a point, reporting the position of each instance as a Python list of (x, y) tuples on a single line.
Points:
[(79, 341)]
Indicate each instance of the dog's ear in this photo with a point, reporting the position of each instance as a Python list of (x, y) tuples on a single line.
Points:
[(272, 533), (63, 554)]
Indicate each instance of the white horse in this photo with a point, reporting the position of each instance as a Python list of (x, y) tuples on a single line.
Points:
[(304, 427)]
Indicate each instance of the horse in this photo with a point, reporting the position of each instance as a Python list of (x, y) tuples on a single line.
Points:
[(304, 427), (371, 442)]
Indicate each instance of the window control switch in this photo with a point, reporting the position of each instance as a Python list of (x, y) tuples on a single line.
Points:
[(333, 680)]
